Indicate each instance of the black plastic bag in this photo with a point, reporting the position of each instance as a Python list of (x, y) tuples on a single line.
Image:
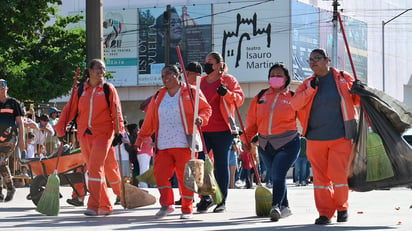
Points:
[(386, 122)]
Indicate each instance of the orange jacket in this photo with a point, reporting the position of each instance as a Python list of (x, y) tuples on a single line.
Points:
[(272, 115), (227, 102), (303, 99), (93, 111), (151, 121)]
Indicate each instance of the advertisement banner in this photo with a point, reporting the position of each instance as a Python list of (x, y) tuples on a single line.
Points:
[(252, 37), (120, 46)]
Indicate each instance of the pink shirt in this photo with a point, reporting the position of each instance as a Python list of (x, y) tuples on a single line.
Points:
[(146, 147)]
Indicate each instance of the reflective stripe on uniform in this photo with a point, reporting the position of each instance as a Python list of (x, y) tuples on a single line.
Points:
[(96, 179), (163, 187)]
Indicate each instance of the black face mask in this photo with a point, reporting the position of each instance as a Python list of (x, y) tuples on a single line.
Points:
[(208, 68)]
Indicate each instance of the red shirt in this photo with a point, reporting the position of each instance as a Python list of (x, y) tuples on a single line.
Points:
[(216, 121)]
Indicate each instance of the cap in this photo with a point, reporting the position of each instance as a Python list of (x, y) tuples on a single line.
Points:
[(44, 117), (53, 110), (194, 67)]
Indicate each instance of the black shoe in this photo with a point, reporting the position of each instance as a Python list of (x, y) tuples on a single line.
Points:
[(10, 194), (343, 216), (322, 220), (178, 202), (204, 204), (1, 196), (75, 202), (274, 213), (220, 208), (118, 201)]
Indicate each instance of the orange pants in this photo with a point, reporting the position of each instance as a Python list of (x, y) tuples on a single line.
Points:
[(329, 160), (112, 175), (165, 164), (101, 163)]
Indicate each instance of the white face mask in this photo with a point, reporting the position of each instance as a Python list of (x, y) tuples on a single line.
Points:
[(277, 82)]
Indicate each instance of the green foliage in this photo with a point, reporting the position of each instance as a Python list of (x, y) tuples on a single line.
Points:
[(39, 55)]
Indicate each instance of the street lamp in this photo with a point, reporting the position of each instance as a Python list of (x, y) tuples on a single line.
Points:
[(383, 45)]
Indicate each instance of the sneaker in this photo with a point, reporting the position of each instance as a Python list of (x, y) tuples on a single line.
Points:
[(220, 208), (101, 213), (164, 211), (303, 183), (118, 200), (343, 216), (10, 194), (285, 212), (178, 202), (186, 216), (322, 220), (204, 204), (269, 185), (297, 184), (274, 213), (75, 201)]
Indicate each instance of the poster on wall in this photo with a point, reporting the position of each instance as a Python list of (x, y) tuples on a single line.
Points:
[(252, 37), (190, 29), (305, 37), (120, 46)]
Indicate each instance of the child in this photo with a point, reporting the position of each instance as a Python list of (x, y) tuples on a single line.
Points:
[(30, 145)]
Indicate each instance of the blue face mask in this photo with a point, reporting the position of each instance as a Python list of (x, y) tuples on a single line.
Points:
[(3, 84)]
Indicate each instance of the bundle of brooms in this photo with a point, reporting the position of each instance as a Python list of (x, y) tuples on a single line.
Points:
[(263, 195)]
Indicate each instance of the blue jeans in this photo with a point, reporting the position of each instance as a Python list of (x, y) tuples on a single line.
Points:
[(300, 169), (220, 143), (278, 163)]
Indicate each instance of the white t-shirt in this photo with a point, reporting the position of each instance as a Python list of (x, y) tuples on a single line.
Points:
[(171, 132)]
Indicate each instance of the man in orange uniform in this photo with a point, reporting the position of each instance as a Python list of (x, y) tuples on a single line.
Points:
[(327, 113), (96, 122)]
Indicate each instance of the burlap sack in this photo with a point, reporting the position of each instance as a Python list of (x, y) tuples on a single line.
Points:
[(194, 174), (136, 197), (208, 186)]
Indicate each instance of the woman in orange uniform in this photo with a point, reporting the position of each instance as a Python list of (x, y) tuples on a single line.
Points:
[(274, 120), (171, 115), (327, 113), (97, 124)]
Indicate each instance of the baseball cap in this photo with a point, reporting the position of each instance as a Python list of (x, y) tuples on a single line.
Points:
[(53, 110), (194, 67)]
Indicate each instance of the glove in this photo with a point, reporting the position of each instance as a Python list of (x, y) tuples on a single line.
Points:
[(62, 139), (117, 139), (222, 90), (314, 82)]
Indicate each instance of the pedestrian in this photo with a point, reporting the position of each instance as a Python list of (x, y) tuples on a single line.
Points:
[(224, 94), (11, 133), (170, 116), (326, 110), (301, 165), (145, 155), (193, 70), (271, 116), (54, 118), (96, 126)]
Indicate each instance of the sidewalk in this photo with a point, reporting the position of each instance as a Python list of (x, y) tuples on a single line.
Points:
[(376, 210)]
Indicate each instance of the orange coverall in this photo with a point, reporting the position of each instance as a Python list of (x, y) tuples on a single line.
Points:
[(329, 158), (167, 160), (96, 125)]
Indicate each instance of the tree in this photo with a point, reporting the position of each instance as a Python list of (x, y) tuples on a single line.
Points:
[(39, 56)]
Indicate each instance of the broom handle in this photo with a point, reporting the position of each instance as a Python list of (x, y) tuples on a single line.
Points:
[(347, 46), (196, 114), (191, 96), (120, 158), (68, 113), (247, 143)]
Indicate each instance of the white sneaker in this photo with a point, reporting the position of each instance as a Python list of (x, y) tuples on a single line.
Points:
[(285, 212), (269, 185), (164, 211), (186, 216)]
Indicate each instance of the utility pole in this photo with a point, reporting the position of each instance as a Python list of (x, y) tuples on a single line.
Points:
[(167, 36), (335, 34), (94, 29)]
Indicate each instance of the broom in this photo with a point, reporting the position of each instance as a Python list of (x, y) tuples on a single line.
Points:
[(147, 177), (263, 195), (124, 199), (49, 203)]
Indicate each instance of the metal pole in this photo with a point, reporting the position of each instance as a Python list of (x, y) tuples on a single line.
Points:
[(94, 29), (335, 34), (383, 45)]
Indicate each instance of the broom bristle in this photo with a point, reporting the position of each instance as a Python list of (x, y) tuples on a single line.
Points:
[(263, 199), (49, 203), (379, 166), (147, 177)]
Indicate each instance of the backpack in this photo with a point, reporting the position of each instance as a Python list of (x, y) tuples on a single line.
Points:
[(106, 90)]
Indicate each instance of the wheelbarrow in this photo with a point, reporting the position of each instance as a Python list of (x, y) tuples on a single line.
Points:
[(71, 171)]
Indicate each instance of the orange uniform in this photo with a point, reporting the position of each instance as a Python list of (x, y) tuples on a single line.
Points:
[(329, 158), (96, 124), (167, 160)]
